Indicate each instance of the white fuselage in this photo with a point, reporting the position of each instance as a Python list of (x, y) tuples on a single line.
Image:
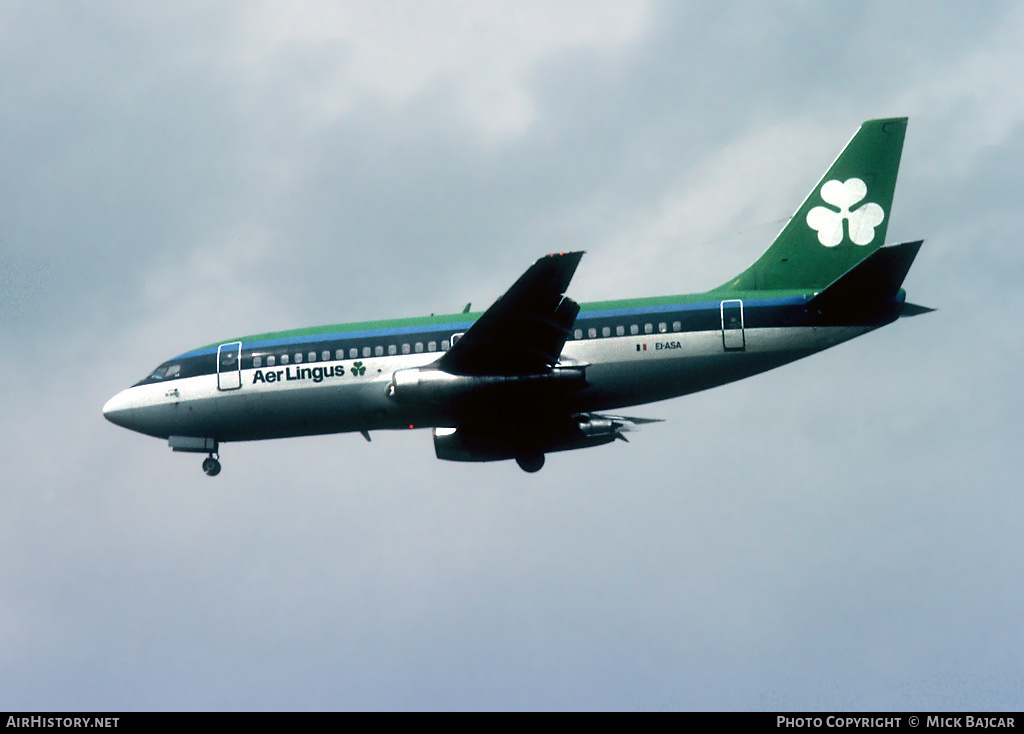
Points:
[(298, 399)]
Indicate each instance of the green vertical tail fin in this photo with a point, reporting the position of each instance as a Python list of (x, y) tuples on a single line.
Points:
[(841, 222)]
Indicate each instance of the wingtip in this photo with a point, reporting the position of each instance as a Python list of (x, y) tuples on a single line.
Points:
[(576, 253), (569, 260)]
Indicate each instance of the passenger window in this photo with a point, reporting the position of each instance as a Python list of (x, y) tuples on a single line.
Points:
[(284, 359), (392, 350), (444, 345), (353, 353), (418, 347), (257, 361), (366, 351), (378, 351), (431, 346), (325, 356), (662, 327), (677, 326), (592, 333), (620, 331), (405, 349), (648, 328), (578, 334), (339, 354), (271, 360), (634, 329), (606, 331), (298, 358)]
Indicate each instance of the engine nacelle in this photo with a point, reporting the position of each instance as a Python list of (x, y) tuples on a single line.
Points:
[(516, 440), (427, 386), (594, 426)]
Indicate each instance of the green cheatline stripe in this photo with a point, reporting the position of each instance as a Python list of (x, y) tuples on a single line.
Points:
[(467, 318)]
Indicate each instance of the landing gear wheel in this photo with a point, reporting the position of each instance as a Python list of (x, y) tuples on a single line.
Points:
[(211, 466), (530, 463)]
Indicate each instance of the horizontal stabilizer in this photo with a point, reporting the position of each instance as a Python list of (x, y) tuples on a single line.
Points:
[(875, 279), (914, 309)]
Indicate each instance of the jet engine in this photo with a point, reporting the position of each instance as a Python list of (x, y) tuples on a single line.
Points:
[(527, 442)]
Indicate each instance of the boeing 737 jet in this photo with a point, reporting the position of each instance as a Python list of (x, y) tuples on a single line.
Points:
[(537, 372)]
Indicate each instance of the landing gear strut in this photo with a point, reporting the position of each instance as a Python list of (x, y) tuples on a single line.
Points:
[(211, 465)]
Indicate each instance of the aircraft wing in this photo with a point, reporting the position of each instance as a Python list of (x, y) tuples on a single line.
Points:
[(524, 331)]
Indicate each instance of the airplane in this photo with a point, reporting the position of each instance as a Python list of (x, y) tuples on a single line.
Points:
[(537, 372)]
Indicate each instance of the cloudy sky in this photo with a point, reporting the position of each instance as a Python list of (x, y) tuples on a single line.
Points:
[(846, 532)]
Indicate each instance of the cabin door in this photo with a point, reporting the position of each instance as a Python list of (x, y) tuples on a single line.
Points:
[(732, 326), (229, 366)]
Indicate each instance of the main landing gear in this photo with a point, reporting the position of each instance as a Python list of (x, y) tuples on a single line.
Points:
[(211, 465), (530, 463)]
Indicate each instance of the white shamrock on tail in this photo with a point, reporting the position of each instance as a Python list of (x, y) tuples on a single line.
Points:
[(829, 223)]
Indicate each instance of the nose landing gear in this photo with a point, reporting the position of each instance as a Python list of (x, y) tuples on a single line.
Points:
[(198, 445), (211, 465)]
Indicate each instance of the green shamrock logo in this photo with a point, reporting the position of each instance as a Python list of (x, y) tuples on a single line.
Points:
[(358, 369)]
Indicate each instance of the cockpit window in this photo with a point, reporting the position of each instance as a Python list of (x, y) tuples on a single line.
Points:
[(161, 373)]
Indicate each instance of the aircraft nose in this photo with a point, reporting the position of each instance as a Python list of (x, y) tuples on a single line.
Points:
[(118, 410)]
